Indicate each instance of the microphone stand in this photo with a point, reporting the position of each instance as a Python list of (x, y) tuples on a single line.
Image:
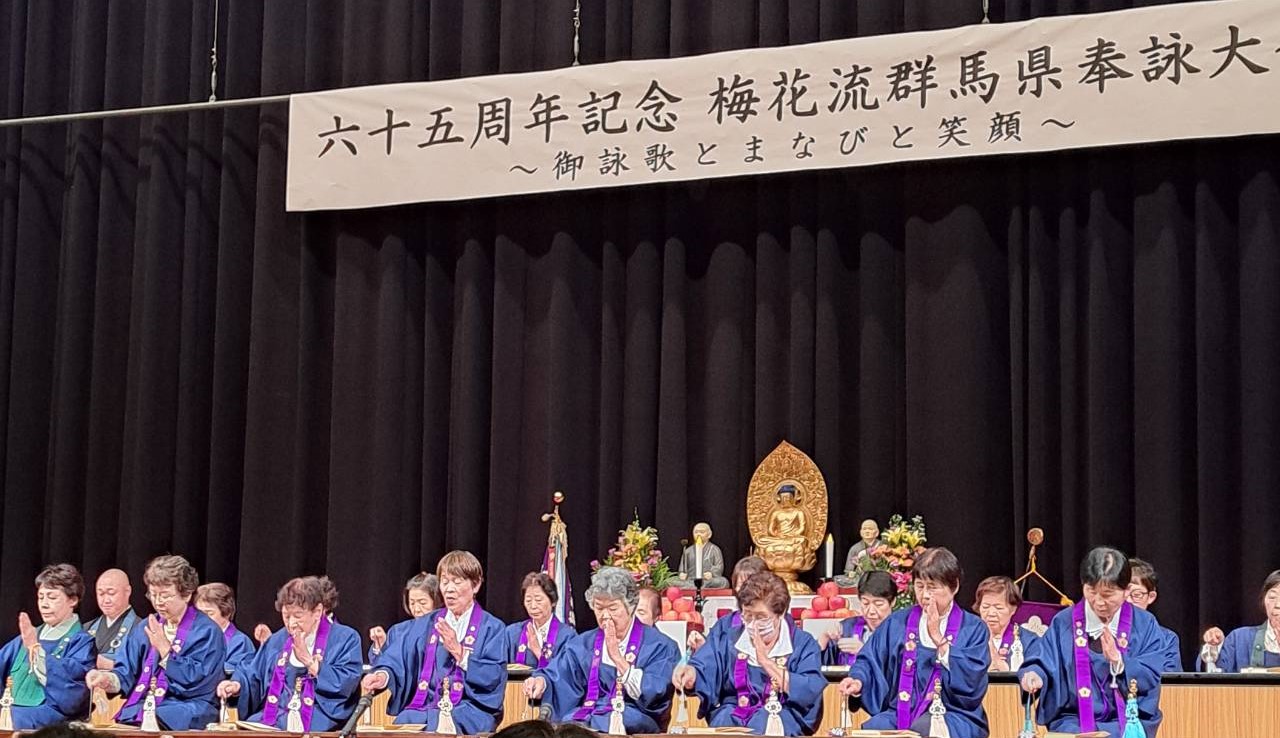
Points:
[(362, 706)]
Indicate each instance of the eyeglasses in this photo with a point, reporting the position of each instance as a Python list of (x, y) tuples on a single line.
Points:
[(160, 598), (1139, 594)]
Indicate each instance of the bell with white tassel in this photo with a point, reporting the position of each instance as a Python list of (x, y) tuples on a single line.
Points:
[(617, 726), (293, 723), (681, 725), (1016, 651), (773, 726), (445, 725), (843, 728), (938, 715), (149, 724), (6, 705)]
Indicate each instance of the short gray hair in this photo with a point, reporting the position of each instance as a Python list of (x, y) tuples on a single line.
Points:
[(613, 583)]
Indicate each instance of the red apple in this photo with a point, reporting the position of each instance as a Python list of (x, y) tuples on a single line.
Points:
[(674, 593), (666, 605), (843, 613), (835, 603), (808, 614), (819, 604), (682, 606), (670, 615), (828, 589), (686, 616)]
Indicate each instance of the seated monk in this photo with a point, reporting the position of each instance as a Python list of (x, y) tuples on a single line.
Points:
[(1251, 646), (421, 595), (622, 662), (305, 678), (876, 593), (766, 657), (785, 540), (936, 648), (534, 641), (218, 601), (457, 653), (1083, 664), (48, 663), (177, 654)]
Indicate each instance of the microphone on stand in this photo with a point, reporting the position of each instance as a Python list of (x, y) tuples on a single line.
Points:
[(361, 707)]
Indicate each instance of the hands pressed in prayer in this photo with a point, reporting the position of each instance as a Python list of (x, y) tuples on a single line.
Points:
[(684, 677), (850, 687), (534, 687), (449, 639), (378, 636), (155, 633), (614, 647), (303, 654), (775, 672), (933, 620), (1031, 682), (998, 662), (1109, 648), (227, 689), (535, 645), (30, 638)]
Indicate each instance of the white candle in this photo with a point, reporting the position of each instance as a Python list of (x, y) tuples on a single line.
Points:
[(697, 557), (831, 548)]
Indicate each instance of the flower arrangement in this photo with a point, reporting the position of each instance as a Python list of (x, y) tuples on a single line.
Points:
[(900, 543), (637, 551)]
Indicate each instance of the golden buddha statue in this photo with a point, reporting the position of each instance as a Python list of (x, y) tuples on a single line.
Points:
[(787, 513)]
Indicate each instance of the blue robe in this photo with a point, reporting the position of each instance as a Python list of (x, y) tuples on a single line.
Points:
[(718, 694), (1172, 651), (128, 619), (484, 683), (65, 695), (1237, 650), (564, 634), (566, 678), (1053, 659), (831, 655), (964, 681), (194, 673), (240, 651), (337, 682)]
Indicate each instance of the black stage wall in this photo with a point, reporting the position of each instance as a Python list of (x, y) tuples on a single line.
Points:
[(1085, 341)]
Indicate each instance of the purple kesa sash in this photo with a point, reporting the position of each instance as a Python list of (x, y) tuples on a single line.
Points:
[(428, 686), (748, 701), (151, 670), (1006, 640), (593, 678), (907, 676), (859, 624), (523, 648), (1084, 669), (272, 710), (228, 632)]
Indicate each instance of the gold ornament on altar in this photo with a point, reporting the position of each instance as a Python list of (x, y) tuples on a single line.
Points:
[(787, 513)]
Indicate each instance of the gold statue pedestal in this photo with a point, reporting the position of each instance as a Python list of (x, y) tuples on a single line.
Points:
[(787, 513)]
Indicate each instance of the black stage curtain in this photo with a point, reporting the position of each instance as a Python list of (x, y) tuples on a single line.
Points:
[(1084, 341)]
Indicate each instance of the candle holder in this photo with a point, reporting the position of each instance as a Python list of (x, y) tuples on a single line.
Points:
[(698, 599)]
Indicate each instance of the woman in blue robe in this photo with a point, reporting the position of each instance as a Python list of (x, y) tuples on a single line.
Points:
[(421, 596), (310, 651), (996, 601), (179, 648), (936, 642), (876, 593), (458, 651), (635, 662), (48, 664), (218, 601), (735, 678), (1142, 592), (1083, 664), (742, 571), (535, 641), (1252, 646)]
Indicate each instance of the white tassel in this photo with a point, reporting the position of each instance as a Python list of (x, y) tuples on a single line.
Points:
[(938, 715), (1209, 655), (149, 724), (445, 725), (6, 705), (293, 723), (617, 726), (773, 726), (1015, 651)]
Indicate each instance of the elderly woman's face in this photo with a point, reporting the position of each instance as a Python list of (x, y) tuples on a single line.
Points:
[(759, 619), (54, 604), (168, 601), (420, 602), (537, 604), (1271, 601), (995, 611), (210, 609), (611, 613), (299, 620)]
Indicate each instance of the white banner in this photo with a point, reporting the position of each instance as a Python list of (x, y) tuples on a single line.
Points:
[(1187, 70)]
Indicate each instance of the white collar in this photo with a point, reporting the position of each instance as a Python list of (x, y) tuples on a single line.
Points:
[(1093, 623), (544, 629), (109, 621), (1270, 642), (53, 632), (781, 647), (925, 639)]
